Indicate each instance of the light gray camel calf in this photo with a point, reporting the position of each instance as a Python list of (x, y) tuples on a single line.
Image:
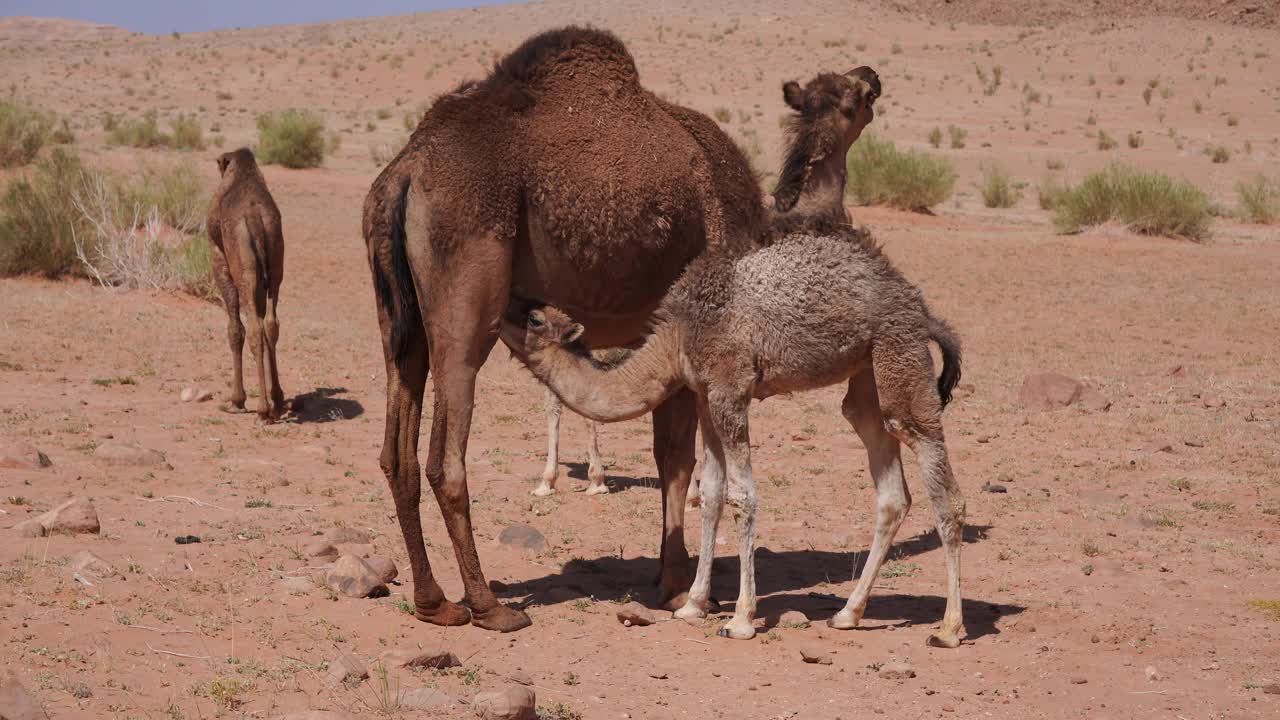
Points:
[(820, 306)]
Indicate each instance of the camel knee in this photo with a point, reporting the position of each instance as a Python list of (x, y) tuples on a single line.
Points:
[(235, 333), (744, 501), (893, 508)]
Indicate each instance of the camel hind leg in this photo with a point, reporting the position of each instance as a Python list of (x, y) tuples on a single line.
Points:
[(235, 327), (551, 472), (913, 413), (861, 407), (595, 468)]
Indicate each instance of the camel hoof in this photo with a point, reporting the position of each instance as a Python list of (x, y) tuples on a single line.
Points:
[(844, 620), (689, 612), (542, 491), (596, 489), (943, 640), (233, 407), (500, 618), (445, 613), (733, 631)]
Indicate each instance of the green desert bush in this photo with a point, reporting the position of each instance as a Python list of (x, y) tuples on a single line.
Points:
[(935, 137), (995, 188), (187, 134), (880, 174), (1146, 203), (292, 138), (38, 218), (142, 133), (1049, 192), (23, 131), (1259, 200)]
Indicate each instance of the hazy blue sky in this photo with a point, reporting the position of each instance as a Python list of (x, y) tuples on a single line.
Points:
[(162, 16)]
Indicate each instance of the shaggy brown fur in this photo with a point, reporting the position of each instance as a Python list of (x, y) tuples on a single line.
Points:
[(248, 264), (820, 306), (560, 177)]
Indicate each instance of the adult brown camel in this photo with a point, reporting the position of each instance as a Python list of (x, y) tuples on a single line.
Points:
[(558, 176), (247, 244), (820, 306)]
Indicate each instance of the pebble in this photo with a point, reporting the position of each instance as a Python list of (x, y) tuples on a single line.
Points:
[(352, 576), (793, 619), (1079, 681), (994, 488), (435, 658), (896, 670), (1152, 673), (523, 536), (635, 614), (73, 517), (22, 456), (345, 668), (816, 656), (385, 567), (514, 702)]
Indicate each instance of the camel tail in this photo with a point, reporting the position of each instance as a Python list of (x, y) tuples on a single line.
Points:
[(941, 333), (261, 258), (392, 277)]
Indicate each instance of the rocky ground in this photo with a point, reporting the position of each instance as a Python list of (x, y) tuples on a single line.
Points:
[(1121, 556)]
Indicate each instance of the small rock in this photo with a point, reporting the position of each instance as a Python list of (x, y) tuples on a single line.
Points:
[(1151, 673), (948, 708), (521, 677), (1079, 681), (353, 577), (296, 585), (384, 566), (424, 699), (635, 614), (17, 455), (430, 658), (203, 396), (657, 675), (1048, 391), (75, 516), (1193, 443), (994, 488), (816, 656), (120, 453), (188, 394), (793, 619), (1158, 446), (340, 535), (896, 670), (514, 702), (346, 668), (523, 536), (1095, 639), (1211, 665), (87, 564), (187, 539), (1212, 401), (1271, 688), (17, 704)]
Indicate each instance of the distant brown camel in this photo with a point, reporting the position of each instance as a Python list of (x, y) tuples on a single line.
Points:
[(560, 177), (820, 306), (248, 263)]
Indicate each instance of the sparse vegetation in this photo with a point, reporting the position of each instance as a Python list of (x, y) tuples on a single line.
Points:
[(1105, 141), (23, 131), (1219, 154), (723, 115), (995, 188), (186, 133), (935, 137), (292, 138), (142, 133), (1134, 140), (1259, 200), (880, 174), (1145, 203), (957, 136)]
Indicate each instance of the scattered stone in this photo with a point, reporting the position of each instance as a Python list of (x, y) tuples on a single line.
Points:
[(384, 566), (296, 584), (1271, 688), (360, 550), (523, 536), (793, 619), (203, 396), (1048, 391), (994, 488), (351, 576), (1095, 639), (948, 708), (1212, 401), (121, 453), (17, 455), (187, 539), (816, 656), (897, 670), (86, 564), (424, 699), (635, 614), (346, 668), (657, 675), (1193, 443), (521, 677), (1211, 665), (73, 517), (1152, 673), (16, 703), (321, 549), (341, 535), (1079, 681), (514, 702), (435, 658), (188, 394)]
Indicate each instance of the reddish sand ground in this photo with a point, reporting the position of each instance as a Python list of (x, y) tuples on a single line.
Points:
[(1113, 579)]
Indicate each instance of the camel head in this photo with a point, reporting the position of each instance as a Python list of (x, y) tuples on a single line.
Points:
[(830, 112), (236, 160), (844, 101), (529, 332)]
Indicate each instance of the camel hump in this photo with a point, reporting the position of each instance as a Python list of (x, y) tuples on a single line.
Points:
[(573, 46)]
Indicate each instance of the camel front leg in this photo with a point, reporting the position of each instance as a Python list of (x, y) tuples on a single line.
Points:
[(862, 409), (712, 490), (730, 417), (674, 432), (547, 485)]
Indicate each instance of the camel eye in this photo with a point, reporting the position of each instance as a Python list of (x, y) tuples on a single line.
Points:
[(535, 321)]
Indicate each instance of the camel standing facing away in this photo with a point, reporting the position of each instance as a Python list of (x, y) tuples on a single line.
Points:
[(248, 264), (551, 473), (559, 177), (820, 306)]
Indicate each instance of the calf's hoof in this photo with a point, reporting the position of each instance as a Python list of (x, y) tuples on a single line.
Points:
[(943, 639), (845, 620), (500, 618), (443, 613), (737, 630)]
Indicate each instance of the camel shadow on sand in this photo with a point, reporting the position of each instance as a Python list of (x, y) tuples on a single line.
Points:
[(322, 405), (789, 580)]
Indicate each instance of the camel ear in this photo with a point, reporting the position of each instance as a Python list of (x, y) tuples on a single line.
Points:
[(222, 164), (793, 95), (571, 333)]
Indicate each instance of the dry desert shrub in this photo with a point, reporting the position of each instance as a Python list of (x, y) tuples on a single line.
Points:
[(1145, 203), (880, 174)]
